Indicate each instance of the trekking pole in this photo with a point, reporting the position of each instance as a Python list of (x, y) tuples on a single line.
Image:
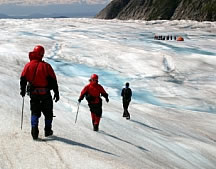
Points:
[(22, 113), (77, 111)]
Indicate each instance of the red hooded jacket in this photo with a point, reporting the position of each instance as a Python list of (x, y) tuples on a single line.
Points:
[(93, 90), (37, 73)]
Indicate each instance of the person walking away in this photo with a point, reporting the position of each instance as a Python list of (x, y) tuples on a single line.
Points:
[(93, 92), (126, 98), (41, 79)]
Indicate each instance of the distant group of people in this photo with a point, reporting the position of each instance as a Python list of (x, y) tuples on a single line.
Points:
[(38, 79), (168, 37)]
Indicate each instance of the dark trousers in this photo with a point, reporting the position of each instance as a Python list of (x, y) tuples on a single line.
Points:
[(96, 112), (44, 104), (125, 106)]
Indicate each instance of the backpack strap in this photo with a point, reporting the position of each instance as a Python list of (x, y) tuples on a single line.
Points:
[(34, 73), (30, 86)]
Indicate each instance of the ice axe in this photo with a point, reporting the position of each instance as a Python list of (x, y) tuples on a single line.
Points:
[(77, 111), (22, 113)]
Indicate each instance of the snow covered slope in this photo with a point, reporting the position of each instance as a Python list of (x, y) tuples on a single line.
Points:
[(173, 109)]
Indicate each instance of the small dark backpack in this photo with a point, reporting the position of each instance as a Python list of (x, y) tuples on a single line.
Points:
[(127, 93)]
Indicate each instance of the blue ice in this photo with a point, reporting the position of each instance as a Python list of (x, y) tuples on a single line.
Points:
[(107, 78), (116, 81)]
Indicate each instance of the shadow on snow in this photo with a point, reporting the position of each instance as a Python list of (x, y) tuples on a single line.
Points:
[(115, 137), (145, 125), (74, 143)]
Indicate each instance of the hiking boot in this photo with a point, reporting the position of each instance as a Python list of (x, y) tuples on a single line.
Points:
[(124, 114), (48, 133), (95, 127), (34, 133), (128, 117)]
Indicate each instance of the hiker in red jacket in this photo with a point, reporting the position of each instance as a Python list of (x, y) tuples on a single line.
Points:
[(41, 79), (93, 92)]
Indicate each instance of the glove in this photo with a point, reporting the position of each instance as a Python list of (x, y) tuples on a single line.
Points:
[(22, 93), (79, 100), (107, 99), (56, 97)]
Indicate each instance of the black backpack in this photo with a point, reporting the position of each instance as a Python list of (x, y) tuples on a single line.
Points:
[(127, 93)]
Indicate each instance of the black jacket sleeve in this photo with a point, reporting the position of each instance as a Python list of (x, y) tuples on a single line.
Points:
[(105, 95), (122, 92), (131, 93), (52, 84), (23, 83)]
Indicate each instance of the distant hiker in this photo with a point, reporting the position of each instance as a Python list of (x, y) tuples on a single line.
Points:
[(126, 98), (167, 38), (93, 92), (41, 79), (156, 37)]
